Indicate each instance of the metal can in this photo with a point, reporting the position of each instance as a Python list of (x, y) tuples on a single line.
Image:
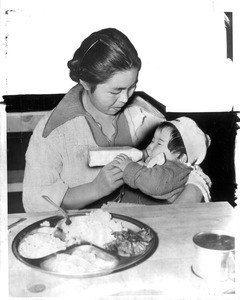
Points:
[(214, 258)]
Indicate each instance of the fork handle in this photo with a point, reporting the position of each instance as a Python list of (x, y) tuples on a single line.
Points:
[(58, 207)]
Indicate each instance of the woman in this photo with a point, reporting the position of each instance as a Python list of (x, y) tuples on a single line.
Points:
[(93, 113)]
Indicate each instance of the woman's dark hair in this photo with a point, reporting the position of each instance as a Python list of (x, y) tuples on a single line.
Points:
[(102, 54), (175, 144)]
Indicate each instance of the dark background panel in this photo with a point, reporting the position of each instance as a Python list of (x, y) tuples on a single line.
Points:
[(17, 143), (219, 163), (25, 103), (15, 203)]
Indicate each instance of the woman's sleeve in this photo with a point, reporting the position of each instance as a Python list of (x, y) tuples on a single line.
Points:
[(42, 173), (169, 178), (143, 118)]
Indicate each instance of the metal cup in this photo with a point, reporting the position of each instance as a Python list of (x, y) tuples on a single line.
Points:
[(214, 257)]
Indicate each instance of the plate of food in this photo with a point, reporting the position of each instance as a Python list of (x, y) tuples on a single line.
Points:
[(96, 243)]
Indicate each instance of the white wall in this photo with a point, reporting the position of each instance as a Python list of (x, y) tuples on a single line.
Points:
[(182, 45)]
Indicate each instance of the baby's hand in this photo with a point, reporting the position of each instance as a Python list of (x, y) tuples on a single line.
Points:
[(121, 161), (159, 159)]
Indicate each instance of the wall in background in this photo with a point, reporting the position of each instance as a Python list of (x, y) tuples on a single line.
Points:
[(182, 45)]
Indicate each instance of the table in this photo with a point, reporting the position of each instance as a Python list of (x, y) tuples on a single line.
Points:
[(166, 272)]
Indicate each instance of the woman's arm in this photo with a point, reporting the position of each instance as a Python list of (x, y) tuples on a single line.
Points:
[(42, 178), (196, 190), (44, 166), (107, 181), (41, 175), (190, 194)]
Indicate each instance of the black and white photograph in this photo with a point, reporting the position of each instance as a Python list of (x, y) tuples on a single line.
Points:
[(119, 139)]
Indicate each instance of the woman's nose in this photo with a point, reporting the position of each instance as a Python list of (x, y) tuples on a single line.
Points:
[(124, 97)]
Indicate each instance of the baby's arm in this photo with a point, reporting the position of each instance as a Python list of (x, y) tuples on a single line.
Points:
[(157, 181), (121, 161)]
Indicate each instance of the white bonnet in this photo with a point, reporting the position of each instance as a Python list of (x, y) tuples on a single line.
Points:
[(195, 140)]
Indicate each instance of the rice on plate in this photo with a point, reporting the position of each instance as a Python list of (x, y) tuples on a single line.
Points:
[(110, 239), (40, 244), (96, 227)]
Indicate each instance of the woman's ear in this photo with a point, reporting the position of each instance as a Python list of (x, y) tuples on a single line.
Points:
[(183, 158), (85, 85)]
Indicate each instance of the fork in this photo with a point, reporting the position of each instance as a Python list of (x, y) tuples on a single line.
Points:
[(62, 211), (15, 223)]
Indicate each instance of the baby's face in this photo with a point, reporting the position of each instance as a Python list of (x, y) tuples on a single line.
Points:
[(159, 144)]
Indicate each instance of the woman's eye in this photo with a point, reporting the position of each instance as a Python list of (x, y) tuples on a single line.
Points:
[(132, 89), (116, 93)]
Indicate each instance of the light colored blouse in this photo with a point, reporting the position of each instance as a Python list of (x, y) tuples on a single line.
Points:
[(57, 155)]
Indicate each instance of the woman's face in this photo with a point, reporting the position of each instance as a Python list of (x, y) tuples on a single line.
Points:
[(111, 96), (159, 144)]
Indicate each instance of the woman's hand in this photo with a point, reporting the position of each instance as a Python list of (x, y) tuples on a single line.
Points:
[(108, 180), (121, 161), (199, 179), (198, 170), (190, 194)]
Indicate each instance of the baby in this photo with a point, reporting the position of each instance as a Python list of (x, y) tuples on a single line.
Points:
[(176, 145)]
